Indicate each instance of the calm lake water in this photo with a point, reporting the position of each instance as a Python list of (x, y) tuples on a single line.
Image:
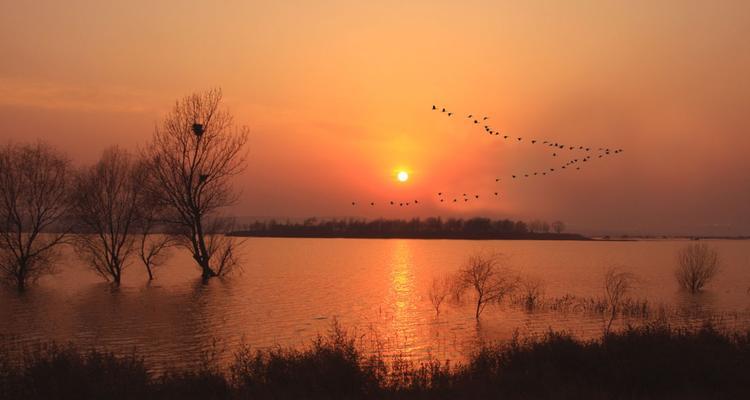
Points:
[(290, 290)]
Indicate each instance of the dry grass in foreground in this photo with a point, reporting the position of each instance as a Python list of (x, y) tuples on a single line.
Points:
[(646, 362)]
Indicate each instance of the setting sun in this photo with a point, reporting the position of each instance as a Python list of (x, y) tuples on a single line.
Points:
[(402, 176)]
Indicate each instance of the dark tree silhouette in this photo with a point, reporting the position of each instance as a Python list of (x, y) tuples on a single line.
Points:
[(415, 227), (34, 187), (488, 279), (192, 158), (617, 284), (558, 226), (697, 265), (439, 290), (107, 200), (155, 239)]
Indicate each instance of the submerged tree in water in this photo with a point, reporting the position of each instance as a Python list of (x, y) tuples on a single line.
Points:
[(192, 159), (34, 187), (617, 285), (697, 265), (108, 201), (488, 279)]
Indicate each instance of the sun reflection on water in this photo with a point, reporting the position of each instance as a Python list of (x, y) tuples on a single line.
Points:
[(402, 297)]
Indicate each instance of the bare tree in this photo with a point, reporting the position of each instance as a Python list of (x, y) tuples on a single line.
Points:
[(439, 290), (108, 198), (488, 279), (558, 226), (617, 284), (154, 243), (193, 157), (34, 187), (697, 265)]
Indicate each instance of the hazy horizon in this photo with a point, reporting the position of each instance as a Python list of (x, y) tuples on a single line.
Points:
[(337, 97)]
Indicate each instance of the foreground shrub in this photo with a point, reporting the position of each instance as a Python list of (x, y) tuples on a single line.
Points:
[(648, 362)]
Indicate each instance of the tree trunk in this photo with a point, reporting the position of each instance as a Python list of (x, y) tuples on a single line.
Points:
[(207, 272), (21, 276)]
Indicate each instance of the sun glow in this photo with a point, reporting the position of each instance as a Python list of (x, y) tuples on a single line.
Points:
[(402, 176)]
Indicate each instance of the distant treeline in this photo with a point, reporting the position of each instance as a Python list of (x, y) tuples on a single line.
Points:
[(429, 228)]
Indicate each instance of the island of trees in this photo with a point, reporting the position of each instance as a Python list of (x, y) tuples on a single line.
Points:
[(416, 228)]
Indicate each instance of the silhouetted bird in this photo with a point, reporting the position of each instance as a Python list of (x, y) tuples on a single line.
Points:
[(519, 139), (533, 141), (433, 107), (372, 204), (476, 195), (443, 110), (495, 193), (514, 177), (554, 154), (505, 137), (484, 119), (416, 202), (440, 193), (198, 129), (354, 204), (391, 203), (476, 122), (450, 113)]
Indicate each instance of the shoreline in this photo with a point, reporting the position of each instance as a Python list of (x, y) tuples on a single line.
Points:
[(427, 236)]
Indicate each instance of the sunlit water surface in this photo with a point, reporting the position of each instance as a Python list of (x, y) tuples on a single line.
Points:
[(291, 290)]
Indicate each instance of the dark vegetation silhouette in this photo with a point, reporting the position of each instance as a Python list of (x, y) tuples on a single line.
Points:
[(531, 290), (653, 361), (108, 200), (192, 158), (697, 265), (126, 206), (487, 279), (439, 290), (428, 228), (617, 284), (34, 203)]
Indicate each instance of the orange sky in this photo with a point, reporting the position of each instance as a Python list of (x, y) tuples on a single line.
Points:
[(337, 96)]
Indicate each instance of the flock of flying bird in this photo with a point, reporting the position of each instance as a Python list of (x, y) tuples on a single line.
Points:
[(587, 154)]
